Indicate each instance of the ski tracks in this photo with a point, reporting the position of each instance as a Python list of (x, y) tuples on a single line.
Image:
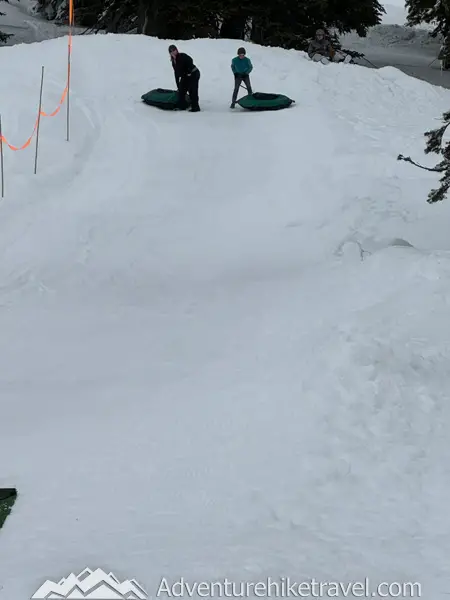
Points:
[(34, 200), (55, 172)]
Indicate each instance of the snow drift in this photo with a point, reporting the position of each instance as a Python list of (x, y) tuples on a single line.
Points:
[(225, 335)]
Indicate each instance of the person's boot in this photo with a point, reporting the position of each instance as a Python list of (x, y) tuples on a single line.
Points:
[(195, 109), (232, 105)]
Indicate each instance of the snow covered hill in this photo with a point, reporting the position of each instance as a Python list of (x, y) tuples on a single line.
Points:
[(25, 26), (224, 336)]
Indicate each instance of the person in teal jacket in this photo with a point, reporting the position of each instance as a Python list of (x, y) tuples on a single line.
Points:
[(241, 66)]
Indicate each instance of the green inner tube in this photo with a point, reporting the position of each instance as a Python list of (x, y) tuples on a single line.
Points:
[(162, 98), (262, 101), (262, 96), (7, 499)]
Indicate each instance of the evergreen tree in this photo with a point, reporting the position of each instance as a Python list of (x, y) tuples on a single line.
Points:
[(358, 15), (286, 23), (430, 11), (181, 19), (291, 23), (435, 145), (86, 12)]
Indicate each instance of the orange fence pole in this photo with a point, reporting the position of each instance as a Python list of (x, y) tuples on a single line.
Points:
[(69, 65), (1, 158), (38, 122)]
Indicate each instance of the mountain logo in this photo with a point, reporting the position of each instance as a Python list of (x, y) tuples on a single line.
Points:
[(96, 585)]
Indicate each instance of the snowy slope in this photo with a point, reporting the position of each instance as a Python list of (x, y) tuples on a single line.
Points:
[(20, 21), (216, 359), (410, 49)]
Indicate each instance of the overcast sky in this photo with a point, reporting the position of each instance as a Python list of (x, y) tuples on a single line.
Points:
[(400, 3)]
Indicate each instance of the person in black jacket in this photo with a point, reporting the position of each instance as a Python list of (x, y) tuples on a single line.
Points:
[(187, 77)]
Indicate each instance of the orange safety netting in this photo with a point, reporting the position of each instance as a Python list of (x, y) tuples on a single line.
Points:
[(42, 113)]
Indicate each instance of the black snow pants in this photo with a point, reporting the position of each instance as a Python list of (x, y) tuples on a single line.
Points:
[(189, 85), (238, 79)]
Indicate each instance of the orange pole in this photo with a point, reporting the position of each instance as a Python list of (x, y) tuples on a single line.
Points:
[(68, 96), (1, 157), (69, 61), (38, 122)]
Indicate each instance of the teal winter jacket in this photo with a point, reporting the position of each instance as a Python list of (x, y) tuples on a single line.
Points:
[(241, 66)]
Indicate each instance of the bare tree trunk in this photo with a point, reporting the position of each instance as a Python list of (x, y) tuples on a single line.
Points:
[(149, 18)]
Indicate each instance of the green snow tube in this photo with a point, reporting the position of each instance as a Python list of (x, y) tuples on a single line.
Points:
[(261, 101), (7, 498), (165, 99)]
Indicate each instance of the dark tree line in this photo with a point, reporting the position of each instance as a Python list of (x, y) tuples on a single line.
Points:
[(284, 23)]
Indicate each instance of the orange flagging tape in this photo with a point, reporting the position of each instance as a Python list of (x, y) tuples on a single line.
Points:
[(58, 108), (27, 143), (63, 97), (42, 114)]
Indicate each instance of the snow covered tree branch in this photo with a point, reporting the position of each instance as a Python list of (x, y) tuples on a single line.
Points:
[(435, 145), (435, 12)]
